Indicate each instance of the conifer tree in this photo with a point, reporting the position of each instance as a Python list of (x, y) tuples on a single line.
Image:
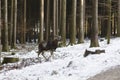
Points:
[(94, 32)]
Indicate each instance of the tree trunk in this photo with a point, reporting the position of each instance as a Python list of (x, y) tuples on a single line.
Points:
[(63, 22), (118, 29), (94, 32), (81, 23), (103, 28), (14, 24), (73, 23), (54, 18), (47, 30), (5, 43), (59, 16), (24, 22), (0, 32), (109, 22), (11, 25), (41, 31), (21, 22)]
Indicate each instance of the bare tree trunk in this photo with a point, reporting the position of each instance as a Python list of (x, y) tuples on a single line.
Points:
[(47, 30), (63, 22), (11, 25), (109, 22), (81, 23), (54, 18), (0, 32), (24, 23), (59, 16), (41, 31), (21, 22), (94, 32), (118, 29), (73, 23), (14, 24), (5, 43)]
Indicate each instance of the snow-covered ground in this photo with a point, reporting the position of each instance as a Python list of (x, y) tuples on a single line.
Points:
[(68, 63)]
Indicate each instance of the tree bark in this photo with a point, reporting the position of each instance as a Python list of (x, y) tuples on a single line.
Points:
[(14, 24), (54, 18), (47, 30), (118, 29), (63, 22), (11, 24), (109, 22), (5, 43), (73, 23), (21, 22), (24, 22), (94, 32), (59, 16), (81, 22), (0, 32), (41, 31)]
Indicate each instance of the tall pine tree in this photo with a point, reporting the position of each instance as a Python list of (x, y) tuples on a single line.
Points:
[(94, 32), (41, 29), (73, 23), (63, 22), (81, 21), (5, 32), (109, 21), (118, 27)]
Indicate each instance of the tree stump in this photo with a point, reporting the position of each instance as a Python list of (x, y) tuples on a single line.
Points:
[(98, 51), (10, 60)]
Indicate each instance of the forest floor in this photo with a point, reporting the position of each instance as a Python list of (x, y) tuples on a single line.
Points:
[(68, 63), (111, 74)]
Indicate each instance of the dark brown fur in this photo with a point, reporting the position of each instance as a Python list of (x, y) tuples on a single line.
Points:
[(50, 45)]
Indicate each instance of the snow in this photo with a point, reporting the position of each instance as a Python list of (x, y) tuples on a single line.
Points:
[(68, 63)]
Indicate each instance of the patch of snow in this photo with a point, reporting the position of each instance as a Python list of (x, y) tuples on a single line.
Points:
[(68, 63)]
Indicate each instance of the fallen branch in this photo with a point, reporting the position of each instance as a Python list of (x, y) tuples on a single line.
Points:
[(98, 51)]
